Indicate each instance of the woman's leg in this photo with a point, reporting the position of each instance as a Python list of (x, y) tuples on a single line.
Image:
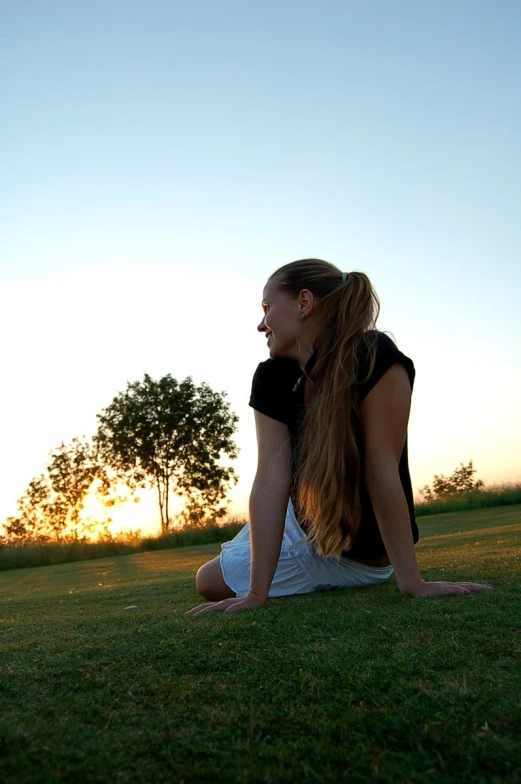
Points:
[(209, 582)]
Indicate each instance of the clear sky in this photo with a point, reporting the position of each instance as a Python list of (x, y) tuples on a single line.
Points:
[(160, 159)]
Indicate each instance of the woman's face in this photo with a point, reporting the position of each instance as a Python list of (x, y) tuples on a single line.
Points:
[(282, 323), (279, 320)]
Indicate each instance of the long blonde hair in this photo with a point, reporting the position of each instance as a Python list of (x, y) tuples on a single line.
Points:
[(327, 463)]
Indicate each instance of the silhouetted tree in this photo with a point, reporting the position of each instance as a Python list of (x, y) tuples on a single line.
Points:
[(170, 436), (32, 520), (51, 506), (459, 483)]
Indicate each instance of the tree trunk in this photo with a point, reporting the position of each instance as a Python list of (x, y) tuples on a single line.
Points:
[(166, 502), (158, 480)]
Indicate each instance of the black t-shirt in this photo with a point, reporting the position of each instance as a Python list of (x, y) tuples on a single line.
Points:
[(278, 392)]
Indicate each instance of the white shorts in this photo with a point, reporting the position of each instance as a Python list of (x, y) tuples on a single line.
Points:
[(300, 568)]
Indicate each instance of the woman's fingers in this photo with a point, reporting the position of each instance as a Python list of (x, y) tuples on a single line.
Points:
[(249, 602), (452, 588), (208, 606), (442, 588), (475, 586)]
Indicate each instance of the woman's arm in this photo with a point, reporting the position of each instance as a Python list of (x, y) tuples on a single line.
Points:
[(268, 501), (385, 415), (267, 507), (392, 513)]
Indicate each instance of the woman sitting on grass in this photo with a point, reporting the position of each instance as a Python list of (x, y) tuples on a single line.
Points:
[(331, 505)]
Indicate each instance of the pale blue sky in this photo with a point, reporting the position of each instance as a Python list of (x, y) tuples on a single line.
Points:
[(161, 159)]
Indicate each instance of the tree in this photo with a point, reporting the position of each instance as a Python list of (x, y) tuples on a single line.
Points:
[(33, 522), (170, 436), (52, 505), (459, 483)]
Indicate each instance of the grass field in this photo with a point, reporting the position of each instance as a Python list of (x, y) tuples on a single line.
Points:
[(350, 685)]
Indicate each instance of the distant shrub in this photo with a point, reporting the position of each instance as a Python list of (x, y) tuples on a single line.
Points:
[(495, 495), (458, 484), (30, 554)]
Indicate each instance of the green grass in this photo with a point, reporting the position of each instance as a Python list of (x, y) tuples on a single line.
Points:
[(351, 685)]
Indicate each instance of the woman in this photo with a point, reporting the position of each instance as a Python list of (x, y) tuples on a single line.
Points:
[(331, 505)]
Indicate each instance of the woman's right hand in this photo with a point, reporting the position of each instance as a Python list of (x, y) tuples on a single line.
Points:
[(249, 602), (425, 589)]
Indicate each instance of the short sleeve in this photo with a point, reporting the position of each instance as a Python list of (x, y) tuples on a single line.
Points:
[(387, 354), (271, 388)]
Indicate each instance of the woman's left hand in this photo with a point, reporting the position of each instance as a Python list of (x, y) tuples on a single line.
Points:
[(445, 588), (249, 602)]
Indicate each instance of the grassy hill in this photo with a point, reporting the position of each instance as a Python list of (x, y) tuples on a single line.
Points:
[(350, 685)]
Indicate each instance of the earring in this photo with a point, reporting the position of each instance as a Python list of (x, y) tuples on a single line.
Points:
[(302, 316)]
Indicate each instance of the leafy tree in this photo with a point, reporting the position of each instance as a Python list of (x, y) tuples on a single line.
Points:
[(170, 436), (32, 521), (52, 505), (459, 483)]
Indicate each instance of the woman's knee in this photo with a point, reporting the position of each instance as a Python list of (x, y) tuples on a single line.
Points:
[(209, 582)]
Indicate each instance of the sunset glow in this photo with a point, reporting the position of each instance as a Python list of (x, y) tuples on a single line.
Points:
[(150, 191)]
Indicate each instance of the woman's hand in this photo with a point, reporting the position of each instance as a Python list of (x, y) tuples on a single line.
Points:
[(424, 589), (249, 602)]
